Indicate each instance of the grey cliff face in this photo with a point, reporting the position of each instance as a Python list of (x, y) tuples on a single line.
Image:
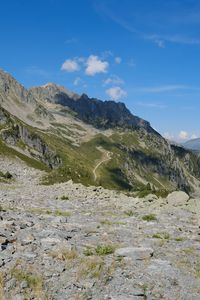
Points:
[(101, 114), (9, 87)]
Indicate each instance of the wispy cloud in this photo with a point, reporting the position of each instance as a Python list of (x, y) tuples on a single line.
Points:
[(106, 54), (165, 88), (34, 70), (131, 63), (160, 39), (113, 79), (152, 105), (118, 60), (72, 40), (77, 81), (169, 136)]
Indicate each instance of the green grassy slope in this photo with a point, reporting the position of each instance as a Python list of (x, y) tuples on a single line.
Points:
[(136, 158)]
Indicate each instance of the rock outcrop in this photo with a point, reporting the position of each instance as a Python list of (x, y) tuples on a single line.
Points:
[(68, 241)]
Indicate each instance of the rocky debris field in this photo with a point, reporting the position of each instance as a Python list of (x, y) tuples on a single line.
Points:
[(68, 242)]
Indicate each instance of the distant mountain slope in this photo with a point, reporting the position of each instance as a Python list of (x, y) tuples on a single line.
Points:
[(193, 144), (90, 141), (21, 103), (101, 114)]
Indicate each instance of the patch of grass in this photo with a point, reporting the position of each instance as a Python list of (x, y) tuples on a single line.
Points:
[(107, 222), (88, 251), (8, 151), (197, 273), (120, 223), (102, 250), (65, 254), (57, 212), (91, 267), (108, 213), (146, 190), (189, 250), (149, 218), (163, 236), (34, 281), (2, 284), (144, 193), (31, 279), (161, 193), (179, 239), (1, 208), (129, 213), (64, 197), (61, 213), (6, 175)]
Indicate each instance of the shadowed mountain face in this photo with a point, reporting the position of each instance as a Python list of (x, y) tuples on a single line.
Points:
[(101, 114), (90, 141)]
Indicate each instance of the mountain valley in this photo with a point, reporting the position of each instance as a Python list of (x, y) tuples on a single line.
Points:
[(68, 135)]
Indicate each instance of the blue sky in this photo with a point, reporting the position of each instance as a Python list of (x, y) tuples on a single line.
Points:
[(144, 53)]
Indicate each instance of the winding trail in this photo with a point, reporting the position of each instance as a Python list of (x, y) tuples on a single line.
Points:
[(106, 157)]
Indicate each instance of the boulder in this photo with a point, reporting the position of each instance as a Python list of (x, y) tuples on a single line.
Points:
[(137, 253), (177, 198)]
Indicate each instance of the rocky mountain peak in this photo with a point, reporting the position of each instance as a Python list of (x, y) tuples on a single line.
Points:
[(50, 90), (101, 114), (11, 88)]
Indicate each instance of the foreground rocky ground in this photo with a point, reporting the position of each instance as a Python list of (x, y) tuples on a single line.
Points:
[(67, 242)]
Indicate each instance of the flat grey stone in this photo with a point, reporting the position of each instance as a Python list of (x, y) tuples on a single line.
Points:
[(138, 253), (177, 198)]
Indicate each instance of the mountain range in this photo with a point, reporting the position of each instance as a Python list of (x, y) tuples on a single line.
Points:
[(193, 144), (90, 141)]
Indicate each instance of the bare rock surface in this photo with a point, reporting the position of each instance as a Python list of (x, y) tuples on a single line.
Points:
[(177, 198), (135, 253), (68, 242)]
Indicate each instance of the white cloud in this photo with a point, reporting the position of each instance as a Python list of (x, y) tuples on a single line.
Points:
[(160, 43), (116, 93), (113, 80), (131, 63), (77, 81), (183, 135), (194, 136), (95, 65), (168, 136), (118, 60), (70, 65)]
